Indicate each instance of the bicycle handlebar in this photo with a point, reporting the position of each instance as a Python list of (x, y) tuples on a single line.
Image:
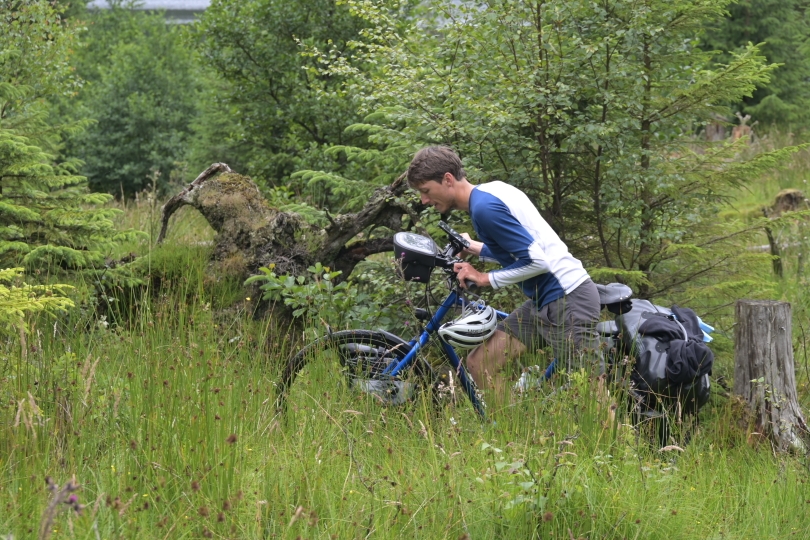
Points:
[(448, 256), (448, 262)]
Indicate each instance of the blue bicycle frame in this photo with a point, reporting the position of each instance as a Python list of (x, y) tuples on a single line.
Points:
[(394, 369)]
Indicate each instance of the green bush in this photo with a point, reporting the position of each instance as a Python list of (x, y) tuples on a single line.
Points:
[(317, 298)]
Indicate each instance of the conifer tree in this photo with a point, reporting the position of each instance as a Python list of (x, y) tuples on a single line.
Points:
[(783, 29), (18, 300), (47, 215)]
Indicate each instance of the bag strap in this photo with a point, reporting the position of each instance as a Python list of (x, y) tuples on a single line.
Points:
[(683, 329)]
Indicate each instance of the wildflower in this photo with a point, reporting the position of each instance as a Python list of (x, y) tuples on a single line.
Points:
[(231, 438), (548, 516)]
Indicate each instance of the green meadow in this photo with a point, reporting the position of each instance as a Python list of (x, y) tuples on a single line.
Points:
[(163, 412)]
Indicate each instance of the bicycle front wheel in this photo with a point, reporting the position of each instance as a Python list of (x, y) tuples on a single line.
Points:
[(362, 356)]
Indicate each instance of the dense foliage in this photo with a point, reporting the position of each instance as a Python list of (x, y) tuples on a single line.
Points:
[(275, 108), (783, 29), (590, 107), (172, 419), (47, 215), (140, 92)]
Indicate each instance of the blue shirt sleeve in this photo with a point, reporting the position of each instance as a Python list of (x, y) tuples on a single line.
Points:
[(507, 241)]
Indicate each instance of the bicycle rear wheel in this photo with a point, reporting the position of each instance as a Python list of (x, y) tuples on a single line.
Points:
[(363, 355)]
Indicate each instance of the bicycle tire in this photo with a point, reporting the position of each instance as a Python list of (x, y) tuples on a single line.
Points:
[(389, 346)]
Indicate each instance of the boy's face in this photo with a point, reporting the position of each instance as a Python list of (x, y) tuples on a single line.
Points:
[(439, 194)]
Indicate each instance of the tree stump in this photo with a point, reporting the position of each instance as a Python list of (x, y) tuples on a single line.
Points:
[(764, 373)]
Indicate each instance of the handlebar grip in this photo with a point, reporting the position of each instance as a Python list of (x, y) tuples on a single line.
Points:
[(471, 285)]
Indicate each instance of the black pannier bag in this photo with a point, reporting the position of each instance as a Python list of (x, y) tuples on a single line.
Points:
[(672, 360)]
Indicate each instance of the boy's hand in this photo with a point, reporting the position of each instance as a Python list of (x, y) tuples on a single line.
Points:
[(465, 271), (475, 247)]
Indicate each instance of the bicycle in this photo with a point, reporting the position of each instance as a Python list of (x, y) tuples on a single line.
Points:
[(379, 362)]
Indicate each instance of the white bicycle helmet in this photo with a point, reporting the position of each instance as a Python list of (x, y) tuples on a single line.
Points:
[(473, 327)]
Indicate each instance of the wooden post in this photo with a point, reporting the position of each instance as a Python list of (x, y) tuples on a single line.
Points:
[(764, 374)]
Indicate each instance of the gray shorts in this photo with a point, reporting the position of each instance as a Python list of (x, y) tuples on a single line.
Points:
[(567, 325)]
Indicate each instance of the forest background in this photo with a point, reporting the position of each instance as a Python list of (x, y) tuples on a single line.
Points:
[(146, 372)]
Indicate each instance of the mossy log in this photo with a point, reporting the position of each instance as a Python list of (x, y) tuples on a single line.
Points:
[(252, 234)]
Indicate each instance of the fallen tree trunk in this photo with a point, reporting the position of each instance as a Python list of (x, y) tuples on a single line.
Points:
[(251, 234)]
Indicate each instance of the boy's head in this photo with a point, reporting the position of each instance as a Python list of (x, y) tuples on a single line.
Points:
[(431, 163)]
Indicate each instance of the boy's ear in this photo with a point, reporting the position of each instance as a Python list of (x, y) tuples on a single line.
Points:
[(448, 178)]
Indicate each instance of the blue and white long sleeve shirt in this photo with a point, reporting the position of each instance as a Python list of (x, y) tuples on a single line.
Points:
[(517, 237)]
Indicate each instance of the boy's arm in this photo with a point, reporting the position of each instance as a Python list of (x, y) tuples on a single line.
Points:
[(503, 229)]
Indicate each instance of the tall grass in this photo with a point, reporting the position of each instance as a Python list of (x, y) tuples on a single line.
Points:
[(166, 418), (170, 427), (794, 174)]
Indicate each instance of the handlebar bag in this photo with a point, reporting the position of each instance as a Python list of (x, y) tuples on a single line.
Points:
[(416, 255)]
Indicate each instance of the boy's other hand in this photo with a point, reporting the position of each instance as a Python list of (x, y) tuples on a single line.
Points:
[(475, 247), (465, 271)]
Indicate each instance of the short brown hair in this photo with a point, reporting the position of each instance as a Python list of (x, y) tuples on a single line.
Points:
[(431, 162)]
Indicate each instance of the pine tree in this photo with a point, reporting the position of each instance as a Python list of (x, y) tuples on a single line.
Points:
[(783, 29), (47, 215), (18, 300)]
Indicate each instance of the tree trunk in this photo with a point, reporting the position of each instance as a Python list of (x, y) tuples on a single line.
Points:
[(251, 234), (764, 374), (776, 260)]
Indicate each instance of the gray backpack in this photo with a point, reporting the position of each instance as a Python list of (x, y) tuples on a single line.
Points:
[(672, 362)]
